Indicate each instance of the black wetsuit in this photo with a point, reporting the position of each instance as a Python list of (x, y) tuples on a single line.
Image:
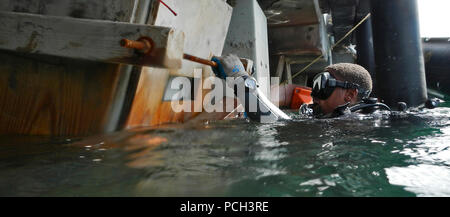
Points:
[(259, 108), (267, 112), (366, 106)]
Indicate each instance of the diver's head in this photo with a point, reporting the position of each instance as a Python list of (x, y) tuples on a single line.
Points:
[(340, 84)]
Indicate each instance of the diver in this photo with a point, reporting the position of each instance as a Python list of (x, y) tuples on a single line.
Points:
[(341, 89)]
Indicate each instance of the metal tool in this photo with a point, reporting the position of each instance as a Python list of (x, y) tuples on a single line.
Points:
[(144, 45)]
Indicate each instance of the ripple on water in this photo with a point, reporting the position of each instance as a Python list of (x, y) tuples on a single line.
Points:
[(377, 155)]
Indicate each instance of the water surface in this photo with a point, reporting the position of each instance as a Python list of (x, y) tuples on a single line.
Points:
[(405, 155)]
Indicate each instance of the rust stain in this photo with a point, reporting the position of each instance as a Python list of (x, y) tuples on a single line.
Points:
[(75, 44), (32, 43), (156, 58), (143, 45)]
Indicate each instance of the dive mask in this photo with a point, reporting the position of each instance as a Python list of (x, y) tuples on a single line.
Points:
[(324, 85)]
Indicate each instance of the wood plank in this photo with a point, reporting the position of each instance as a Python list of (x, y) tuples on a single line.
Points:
[(280, 67), (296, 40), (148, 96), (288, 73), (42, 95), (205, 24), (290, 13), (54, 96), (88, 39), (113, 10)]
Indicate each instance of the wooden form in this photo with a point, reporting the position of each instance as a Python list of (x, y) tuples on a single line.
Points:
[(291, 13), (205, 24), (50, 95), (280, 68), (133, 11), (282, 62), (42, 95), (288, 73), (55, 96), (94, 40)]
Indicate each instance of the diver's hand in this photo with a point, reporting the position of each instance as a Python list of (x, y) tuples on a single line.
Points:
[(229, 66)]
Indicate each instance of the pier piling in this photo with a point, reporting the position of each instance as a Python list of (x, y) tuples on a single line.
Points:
[(400, 70)]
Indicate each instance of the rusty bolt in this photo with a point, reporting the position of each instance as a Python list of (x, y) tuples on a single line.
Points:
[(200, 60), (142, 45)]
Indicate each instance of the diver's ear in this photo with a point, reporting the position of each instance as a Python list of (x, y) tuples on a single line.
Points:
[(351, 95)]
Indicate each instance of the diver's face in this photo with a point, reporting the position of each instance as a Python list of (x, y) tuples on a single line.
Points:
[(327, 106)]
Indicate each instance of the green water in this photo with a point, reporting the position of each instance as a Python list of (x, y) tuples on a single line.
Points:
[(407, 155)]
